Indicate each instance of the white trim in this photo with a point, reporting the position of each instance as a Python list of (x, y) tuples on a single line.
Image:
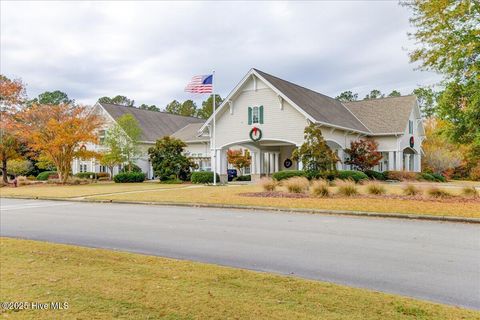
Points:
[(250, 141)]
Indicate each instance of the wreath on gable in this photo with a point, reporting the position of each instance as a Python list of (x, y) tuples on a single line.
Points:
[(255, 134)]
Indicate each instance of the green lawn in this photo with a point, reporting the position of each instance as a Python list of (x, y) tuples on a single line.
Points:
[(101, 284)]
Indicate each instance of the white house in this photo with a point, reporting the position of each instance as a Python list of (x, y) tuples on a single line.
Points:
[(268, 115)]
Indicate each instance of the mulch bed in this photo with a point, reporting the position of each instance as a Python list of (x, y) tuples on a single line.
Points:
[(280, 194)]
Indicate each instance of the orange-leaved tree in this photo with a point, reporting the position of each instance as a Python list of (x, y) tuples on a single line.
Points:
[(59, 132), (239, 159), (12, 97)]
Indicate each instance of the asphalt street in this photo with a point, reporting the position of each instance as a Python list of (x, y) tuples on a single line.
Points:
[(436, 261)]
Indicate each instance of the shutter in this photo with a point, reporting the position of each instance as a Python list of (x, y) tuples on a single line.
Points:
[(260, 112), (249, 115)]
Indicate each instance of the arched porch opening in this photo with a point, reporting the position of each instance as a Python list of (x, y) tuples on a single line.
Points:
[(267, 157), (338, 150), (410, 159)]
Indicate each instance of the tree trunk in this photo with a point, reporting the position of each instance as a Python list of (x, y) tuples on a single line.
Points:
[(4, 170), (111, 172)]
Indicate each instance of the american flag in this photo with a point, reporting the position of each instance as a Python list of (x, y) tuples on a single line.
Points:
[(200, 84)]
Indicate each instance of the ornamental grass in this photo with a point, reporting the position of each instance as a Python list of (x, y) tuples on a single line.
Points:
[(410, 190), (346, 188), (470, 191), (296, 184), (320, 188), (375, 188), (436, 192), (268, 184)]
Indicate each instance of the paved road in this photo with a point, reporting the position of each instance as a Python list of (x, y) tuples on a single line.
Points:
[(429, 260)]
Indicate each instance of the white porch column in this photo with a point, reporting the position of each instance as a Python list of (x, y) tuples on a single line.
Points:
[(260, 162), (277, 162), (399, 161), (253, 162), (391, 160), (271, 162), (150, 170), (341, 156), (407, 162)]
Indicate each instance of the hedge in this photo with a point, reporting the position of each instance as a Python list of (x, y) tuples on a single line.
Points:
[(375, 175), (43, 176), (243, 178), (439, 177), (352, 174), (426, 176), (282, 175), (98, 175), (203, 177), (127, 177)]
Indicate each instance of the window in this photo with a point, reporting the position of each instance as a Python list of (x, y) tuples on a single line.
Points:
[(83, 167), (410, 126), (101, 136), (255, 115)]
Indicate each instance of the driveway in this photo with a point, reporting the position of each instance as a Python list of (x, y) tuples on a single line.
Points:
[(435, 261)]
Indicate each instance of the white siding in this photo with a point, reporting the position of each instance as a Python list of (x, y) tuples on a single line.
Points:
[(283, 125)]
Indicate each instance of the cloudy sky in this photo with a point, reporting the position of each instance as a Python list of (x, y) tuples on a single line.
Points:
[(149, 50)]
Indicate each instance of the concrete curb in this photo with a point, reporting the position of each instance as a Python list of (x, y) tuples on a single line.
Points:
[(277, 209)]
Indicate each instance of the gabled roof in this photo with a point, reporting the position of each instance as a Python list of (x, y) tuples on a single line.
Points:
[(320, 107), (385, 115), (154, 125), (189, 133)]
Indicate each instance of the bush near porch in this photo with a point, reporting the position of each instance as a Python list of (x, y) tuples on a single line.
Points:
[(203, 177)]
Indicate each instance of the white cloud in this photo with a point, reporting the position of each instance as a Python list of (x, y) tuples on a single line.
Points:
[(149, 50)]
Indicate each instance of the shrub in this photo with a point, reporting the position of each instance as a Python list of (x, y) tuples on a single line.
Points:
[(85, 175), (268, 184), (410, 190), (400, 175), (426, 176), (356, 176), (438, 177), (98, 175), (375, 175), (296, 184), (346, 187), (320, 188), (43, 176), (475, 173), (31, 178), (436, 192), (376, 188), (243, 178), (286, 174), (203, 177), (127, 177), (470, 191)]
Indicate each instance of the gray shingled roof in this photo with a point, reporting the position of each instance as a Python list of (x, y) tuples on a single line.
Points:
[(154, 125), (385, 115), (189, 133), (320, 107)]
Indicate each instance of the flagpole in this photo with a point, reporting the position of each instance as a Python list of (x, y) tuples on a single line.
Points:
[(214, 132)]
